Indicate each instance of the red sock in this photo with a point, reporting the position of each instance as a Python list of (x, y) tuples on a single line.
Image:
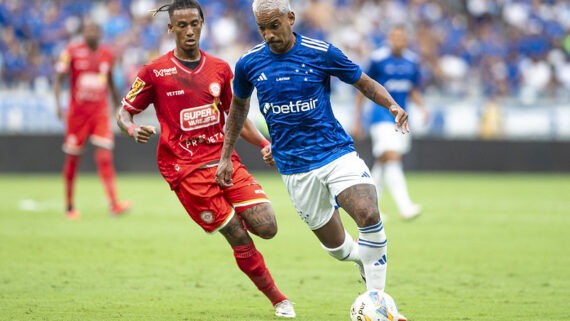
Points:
[(106, 169), (251, 262), (69, 172)]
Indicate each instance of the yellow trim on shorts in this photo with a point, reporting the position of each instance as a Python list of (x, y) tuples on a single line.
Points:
[(224, 223), (250, 202)]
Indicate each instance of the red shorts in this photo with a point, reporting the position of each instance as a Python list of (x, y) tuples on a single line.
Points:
[(211, 206), (97, 128)]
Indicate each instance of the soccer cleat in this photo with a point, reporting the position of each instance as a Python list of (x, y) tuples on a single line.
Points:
[(412, 212), (285, 309), (72, 215), (402, 318), (120, 208)]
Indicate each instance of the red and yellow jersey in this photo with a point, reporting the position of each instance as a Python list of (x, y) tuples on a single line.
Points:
[(89, 72), (190, 106)]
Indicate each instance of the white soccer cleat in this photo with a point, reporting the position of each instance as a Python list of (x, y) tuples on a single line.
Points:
[(285, 309), (402, 318), (411, 212)]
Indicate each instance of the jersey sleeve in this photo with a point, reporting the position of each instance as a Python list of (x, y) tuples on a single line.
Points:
[(243, 88), (63, 61), (141, 94), (340, 66)]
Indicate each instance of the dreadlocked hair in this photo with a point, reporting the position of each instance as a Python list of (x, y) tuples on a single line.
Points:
[(178, 4)]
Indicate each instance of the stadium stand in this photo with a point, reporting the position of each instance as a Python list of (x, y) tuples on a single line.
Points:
[(515, 53)]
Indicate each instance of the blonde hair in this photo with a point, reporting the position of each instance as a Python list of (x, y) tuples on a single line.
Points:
[(260, 6)]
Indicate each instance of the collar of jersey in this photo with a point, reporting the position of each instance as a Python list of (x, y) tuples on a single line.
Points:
[(186, 69)]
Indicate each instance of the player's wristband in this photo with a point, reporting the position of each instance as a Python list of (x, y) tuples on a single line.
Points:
[(131, 129), (264, 143)]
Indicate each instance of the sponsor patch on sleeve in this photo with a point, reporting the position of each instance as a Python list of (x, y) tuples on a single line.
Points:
[(62, 64), (136, 88)]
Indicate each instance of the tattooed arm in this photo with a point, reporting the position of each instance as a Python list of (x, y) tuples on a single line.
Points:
[(238, 114), (378, 94)]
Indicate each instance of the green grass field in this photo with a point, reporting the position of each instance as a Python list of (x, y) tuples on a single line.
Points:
[(488, 247)]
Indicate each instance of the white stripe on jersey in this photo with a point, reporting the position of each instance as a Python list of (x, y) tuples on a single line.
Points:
[(126, 103), (385, 52), (257, 48), (410, 55), (313, 47), (314, 41), (380, 54), (315, 44)]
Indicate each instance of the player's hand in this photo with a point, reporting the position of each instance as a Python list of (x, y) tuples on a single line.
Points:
[(401, 118), (142, 133), (267, 155), (224, 173)]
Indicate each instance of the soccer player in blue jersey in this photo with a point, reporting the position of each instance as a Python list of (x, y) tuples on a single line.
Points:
[(313, 153), (397, 69)]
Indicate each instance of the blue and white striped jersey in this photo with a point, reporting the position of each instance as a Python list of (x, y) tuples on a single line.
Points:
[(293, 90)]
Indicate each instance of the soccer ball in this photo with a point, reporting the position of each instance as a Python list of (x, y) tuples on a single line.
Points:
[(374, 306)]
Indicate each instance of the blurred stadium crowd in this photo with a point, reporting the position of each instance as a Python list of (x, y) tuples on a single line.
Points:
[(514, 48)]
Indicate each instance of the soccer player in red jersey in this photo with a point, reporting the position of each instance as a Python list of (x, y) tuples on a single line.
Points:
[(191, 93), (89, 66)]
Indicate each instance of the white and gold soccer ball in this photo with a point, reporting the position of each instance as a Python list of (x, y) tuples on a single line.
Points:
[(374, 306)]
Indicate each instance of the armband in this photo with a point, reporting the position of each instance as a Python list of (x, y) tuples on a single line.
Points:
[(264, 143), (131, 129)]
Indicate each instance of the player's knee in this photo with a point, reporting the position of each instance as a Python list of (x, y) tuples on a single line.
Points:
[(260, 220), (103, 155), (235, 233), (267, 231), (368, 218), (390, 156)]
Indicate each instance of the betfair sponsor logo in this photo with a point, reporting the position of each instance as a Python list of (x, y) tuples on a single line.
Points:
[(292, 107)]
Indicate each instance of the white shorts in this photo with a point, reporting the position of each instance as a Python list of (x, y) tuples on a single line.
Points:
[(385, 138), (314, 193)]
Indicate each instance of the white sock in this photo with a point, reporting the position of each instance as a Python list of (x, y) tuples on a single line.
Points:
[(396, 182), (378, 177), (348, 251), (373, 249)]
